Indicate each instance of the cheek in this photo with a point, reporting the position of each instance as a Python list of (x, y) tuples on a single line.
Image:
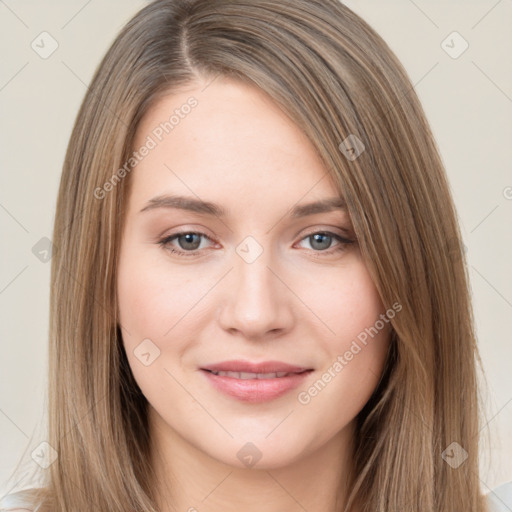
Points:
[(157, 303), (358, 337), (349, 305), (150, 297), (355, 352), (140, 296), (150, 308), (147, 310)]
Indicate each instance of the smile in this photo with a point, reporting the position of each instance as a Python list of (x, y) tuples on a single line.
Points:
[(254, 387)]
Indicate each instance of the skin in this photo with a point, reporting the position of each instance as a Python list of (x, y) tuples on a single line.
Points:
[(300, 302)]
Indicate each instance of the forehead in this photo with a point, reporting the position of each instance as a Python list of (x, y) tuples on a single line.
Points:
[(226, 137)]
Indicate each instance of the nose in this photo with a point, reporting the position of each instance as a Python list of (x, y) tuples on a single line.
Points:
[(257, 302)]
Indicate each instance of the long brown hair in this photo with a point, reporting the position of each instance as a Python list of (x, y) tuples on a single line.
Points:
[(334, 76)]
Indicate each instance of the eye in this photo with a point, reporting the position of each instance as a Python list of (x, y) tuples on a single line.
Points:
[(322, 240), (189, 241)]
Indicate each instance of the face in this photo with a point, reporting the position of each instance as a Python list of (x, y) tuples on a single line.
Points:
[(250, 282)]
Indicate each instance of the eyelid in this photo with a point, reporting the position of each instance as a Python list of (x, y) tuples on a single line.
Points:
[(187, 229), (345, 232)]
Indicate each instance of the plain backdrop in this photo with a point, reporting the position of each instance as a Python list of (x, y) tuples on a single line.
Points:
[(468, 101)]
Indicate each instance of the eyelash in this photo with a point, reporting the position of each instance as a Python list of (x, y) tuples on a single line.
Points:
[(342, 246)]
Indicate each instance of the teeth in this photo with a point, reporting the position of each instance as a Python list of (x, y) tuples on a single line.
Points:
[(247, 375)]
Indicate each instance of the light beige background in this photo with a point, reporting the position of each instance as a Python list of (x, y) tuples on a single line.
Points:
[(468, 101)]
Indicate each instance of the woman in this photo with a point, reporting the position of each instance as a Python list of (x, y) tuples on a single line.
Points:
[(207, 352)]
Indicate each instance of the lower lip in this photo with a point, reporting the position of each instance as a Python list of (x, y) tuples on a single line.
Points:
[(256, 390)]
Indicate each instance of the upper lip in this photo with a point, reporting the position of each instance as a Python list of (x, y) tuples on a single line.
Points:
[(249, 367)]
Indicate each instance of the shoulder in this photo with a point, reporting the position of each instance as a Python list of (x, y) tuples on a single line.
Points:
[(500, 498), (21, 501)]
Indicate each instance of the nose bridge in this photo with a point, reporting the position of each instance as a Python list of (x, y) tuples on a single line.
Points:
[(257, 301), (255, 280)]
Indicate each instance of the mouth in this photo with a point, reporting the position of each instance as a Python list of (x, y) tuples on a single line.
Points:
[(250, 375), (248, 367), (255, 386)]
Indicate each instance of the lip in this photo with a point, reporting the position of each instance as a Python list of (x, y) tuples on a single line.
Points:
[(247, 366), (255, 390)]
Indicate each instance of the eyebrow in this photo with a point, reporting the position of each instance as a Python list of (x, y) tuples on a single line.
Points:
[(208, 208)]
